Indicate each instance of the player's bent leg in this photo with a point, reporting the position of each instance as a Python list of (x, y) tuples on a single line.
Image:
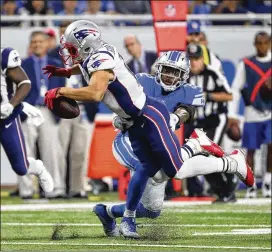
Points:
[(201, 165), (37, 168)]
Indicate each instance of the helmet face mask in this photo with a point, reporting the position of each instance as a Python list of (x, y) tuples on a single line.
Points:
[(172, 73), (79, 40)]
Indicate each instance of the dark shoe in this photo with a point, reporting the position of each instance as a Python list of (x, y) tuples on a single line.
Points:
[(80, 195), (229, 199), (14, 193), (28, 197), (57, 196)]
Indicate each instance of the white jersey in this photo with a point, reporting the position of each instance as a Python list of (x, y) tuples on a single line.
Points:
[(9, 59), (124, 95)]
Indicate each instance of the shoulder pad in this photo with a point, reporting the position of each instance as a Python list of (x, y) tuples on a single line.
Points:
[(10, 58)]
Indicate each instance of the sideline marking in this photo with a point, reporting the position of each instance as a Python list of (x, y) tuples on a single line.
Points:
[(255, 231), (131, 245), (31, 224)]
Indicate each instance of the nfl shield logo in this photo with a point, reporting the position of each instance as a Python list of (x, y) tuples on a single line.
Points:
[(170, 10)]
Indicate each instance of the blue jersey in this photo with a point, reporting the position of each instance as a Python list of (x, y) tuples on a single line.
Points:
[(187, 94)]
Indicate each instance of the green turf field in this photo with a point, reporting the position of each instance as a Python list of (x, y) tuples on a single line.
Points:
[(232, 227)]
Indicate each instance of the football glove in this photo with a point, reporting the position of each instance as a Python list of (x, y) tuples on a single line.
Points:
[(57, 71), (174, 121), (6, 110), (122, 123)]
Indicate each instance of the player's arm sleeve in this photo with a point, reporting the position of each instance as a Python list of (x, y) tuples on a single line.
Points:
[(10, 59), (237, 86), (185, 113), (101, 61)]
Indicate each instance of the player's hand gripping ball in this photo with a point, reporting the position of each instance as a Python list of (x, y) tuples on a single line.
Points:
[(61, 106)]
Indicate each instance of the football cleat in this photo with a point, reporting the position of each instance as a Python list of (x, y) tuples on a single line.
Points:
[(244, 171), (109, 224), (251, 192), (128, 228), (266, 190), (45, 179), (207, 145)]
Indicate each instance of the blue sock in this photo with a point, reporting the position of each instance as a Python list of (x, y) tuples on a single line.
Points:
[(118, 210), (136, 189), (141, 212)]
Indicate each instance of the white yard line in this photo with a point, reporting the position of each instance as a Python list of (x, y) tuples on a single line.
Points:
[(37, 224), (144, 225), (257, 231), (61, 206), (131, 245)]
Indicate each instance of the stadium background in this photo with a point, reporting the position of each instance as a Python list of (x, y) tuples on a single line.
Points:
[(230, 43)]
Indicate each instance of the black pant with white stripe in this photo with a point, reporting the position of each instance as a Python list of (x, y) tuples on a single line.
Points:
[(222, 184)]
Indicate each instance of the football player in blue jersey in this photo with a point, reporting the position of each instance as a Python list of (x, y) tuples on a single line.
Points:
[(12, 106), (181, 99), (153, 142)]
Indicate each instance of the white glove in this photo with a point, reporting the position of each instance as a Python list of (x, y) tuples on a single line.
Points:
[(121, 123), (6, 110), (35, 116), (174, 120)]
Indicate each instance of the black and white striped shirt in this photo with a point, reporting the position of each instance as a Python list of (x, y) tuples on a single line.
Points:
[(211, 80)]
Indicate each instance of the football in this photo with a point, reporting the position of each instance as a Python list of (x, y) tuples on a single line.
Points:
[(65, 108), (234, 133)]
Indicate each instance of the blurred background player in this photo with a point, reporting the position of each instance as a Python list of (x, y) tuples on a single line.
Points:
[(194, 36), (12, 138), (39, 138), (142, 60), (212, 118), (253, 81)]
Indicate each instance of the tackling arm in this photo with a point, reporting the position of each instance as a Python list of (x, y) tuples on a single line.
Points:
[(93, 92)]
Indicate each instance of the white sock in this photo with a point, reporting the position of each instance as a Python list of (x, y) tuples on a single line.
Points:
[(189, 149), (201, 165), (267, 178), (129, 213), (35, 166)]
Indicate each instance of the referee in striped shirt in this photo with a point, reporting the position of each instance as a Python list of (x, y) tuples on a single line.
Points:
[(213, 116)]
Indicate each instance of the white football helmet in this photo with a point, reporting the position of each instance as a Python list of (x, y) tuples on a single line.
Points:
[(172, 70), (79, 40)]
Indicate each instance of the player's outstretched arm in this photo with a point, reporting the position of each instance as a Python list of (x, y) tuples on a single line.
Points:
[(93, 92), (20, 78), (51, 70)]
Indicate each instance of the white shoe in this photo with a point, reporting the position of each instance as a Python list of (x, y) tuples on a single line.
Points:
[(45, 179), (266, 190), (251, 192), (206, 144), (244, 172)]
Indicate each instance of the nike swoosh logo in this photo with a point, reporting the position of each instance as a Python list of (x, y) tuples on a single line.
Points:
[(8, 125), (95, 57)]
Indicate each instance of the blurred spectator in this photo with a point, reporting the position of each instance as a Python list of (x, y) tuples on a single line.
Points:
[(212, 118), (203, 39), (132, 7), (142, 60), (257, 124), (108, 6), (230, 7), (9, 8), (54, 52), (200, 7), (93, 7), (38, 8), (194, 36), (52, 39), (47, 133), (70, 8), (258, 6)]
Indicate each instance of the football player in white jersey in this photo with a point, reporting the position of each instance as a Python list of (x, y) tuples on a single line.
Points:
[(12, 106), (152, 140)]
